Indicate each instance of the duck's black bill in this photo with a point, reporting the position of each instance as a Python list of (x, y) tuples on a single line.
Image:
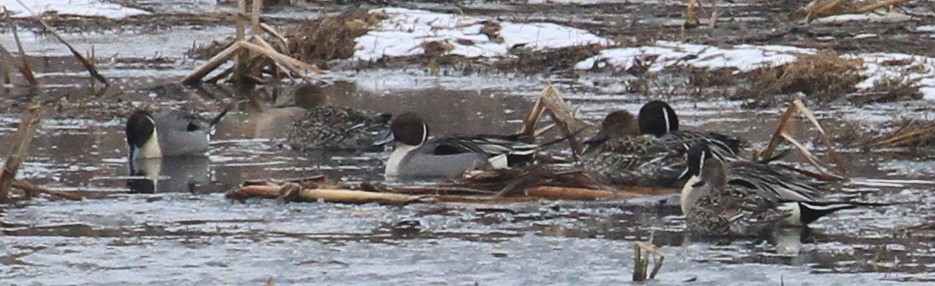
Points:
[(385, 140), (595, 141)]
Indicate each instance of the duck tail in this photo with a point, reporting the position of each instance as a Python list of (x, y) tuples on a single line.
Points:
[(811, 211)]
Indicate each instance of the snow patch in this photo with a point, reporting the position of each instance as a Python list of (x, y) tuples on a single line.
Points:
[(405, 30), (911, 68), (919, 70), (664, 54), (889, 17), (95, 8), (929, 28)]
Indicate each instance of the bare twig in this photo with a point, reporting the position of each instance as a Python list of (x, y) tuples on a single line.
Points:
[(35, 190), (84, 62), (641, 263), (24, 69), (781, 134), (22, 138), (212, 64)]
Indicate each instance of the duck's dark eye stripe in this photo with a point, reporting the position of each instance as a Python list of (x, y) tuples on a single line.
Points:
[(698, 184)]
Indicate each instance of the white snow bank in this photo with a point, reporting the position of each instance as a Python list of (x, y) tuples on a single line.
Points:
[(919, 70), (405, 30), (665, 54), (70, 7), (889, 17)]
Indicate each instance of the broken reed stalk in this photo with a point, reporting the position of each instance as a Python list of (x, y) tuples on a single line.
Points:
[(212, 64), (800, 106), (641, 262), (774, 141), (781, 134), (255, 16), (640, 265), (84, 62), (4, 68), (904, 137), (240, 50), (25, 69), (282, 42), (532, 118), (691, 15), (35, 190), (240, 57), (6, 58), (22, 138), (818, 8), (873, 6), (713, 22), (555, 105)]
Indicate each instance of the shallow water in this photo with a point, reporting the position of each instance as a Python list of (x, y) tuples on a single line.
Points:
[(186, 232), (183, 231)]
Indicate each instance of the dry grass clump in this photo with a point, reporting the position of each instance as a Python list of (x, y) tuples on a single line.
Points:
[(824, 76), (528, 60), (898, 133), (850, 133), (824, 8), (908, 133), (324, 39), (888, 90), (712, 78)]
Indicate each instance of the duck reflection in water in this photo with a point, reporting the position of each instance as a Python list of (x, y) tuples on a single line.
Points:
[(169, 174)]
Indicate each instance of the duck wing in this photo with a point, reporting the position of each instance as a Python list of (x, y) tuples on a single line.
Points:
[(774, 183)]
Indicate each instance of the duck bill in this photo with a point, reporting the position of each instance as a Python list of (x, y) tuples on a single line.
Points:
[(385, 140), (592, 143)]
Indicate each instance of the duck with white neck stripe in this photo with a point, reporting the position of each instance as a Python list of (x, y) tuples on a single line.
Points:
[(739, 198), (418, 155), (168, 134), (659, 119)]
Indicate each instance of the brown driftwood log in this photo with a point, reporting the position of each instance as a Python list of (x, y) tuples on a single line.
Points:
[(367, 193)]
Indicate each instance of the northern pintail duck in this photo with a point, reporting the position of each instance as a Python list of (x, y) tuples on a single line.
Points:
[(621, 155), (417, 155), (659, 119), (649, 150), (167, 134), (746, 198), (329, 127)]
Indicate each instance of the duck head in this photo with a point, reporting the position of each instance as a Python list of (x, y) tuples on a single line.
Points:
[(703, 164), (617, 124), (407, 128), (142, 138), (704, 171), (657, 118)]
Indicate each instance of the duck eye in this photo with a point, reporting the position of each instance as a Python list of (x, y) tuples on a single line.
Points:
[(698, 184)]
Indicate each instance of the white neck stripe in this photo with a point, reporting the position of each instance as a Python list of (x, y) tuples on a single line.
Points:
[(425, 133), (665, 115)]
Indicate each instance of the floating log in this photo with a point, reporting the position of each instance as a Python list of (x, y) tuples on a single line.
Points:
[(369, 193)]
